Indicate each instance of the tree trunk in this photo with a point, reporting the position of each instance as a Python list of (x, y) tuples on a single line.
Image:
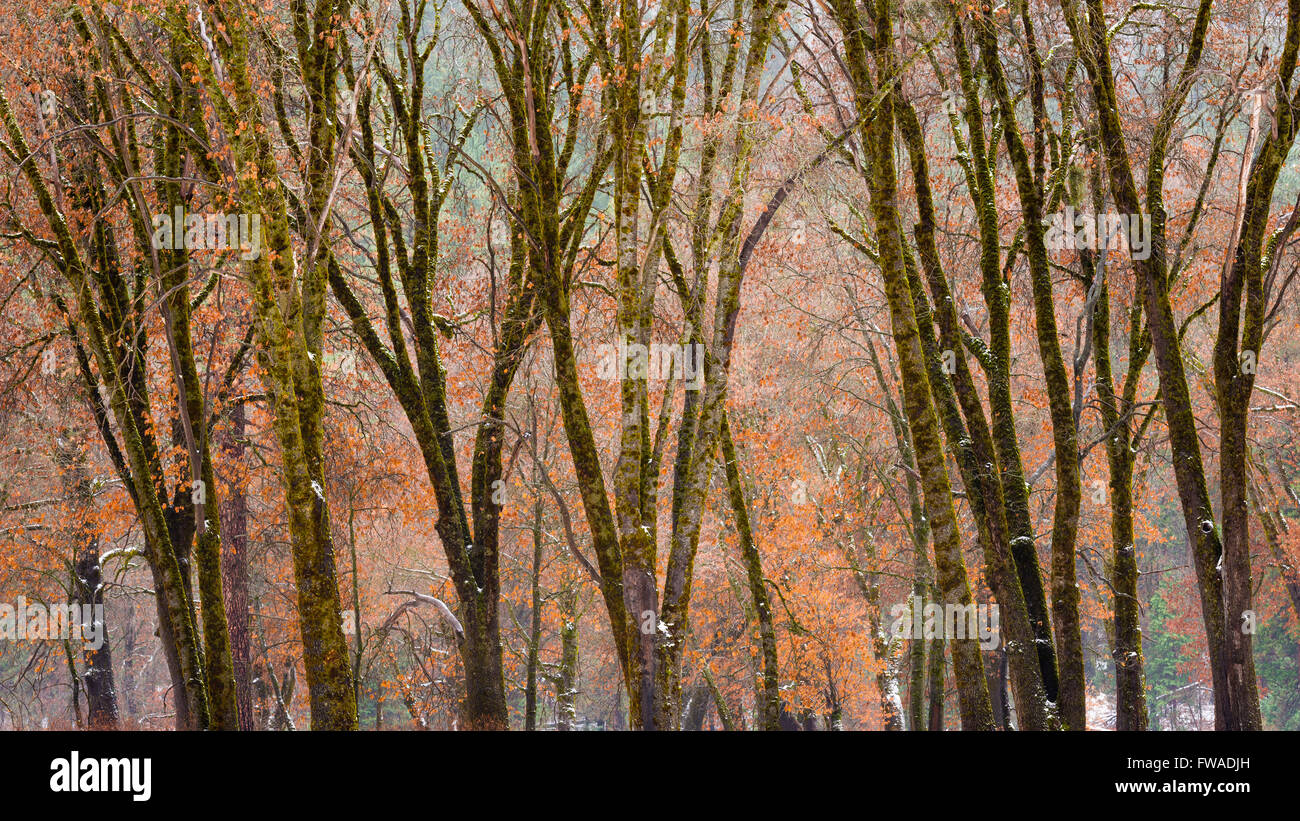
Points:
[(234, 568), (769, 707), (566, 681), (877, 136), (534, 621)]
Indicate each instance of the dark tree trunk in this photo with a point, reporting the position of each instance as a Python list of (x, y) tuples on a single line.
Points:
[(534, 622), (88, 591), (234, 569), (101, 696)]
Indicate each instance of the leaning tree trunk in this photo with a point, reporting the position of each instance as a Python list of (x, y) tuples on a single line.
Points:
[(769, 707), (877, 136), (996, 363), (1065, 521)]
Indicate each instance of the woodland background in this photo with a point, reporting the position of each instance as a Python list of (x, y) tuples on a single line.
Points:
[(422, 504)]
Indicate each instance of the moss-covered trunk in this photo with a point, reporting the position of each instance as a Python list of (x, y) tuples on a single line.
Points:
[(1091, 38), (1243, 305), (289, 314), (103, 322), (566, 680), (1065, 519), (996, 361), (878, 141), (1116, 413), (769, 707)]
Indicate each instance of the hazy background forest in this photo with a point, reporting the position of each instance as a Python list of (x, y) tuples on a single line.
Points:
[(532, 364)]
